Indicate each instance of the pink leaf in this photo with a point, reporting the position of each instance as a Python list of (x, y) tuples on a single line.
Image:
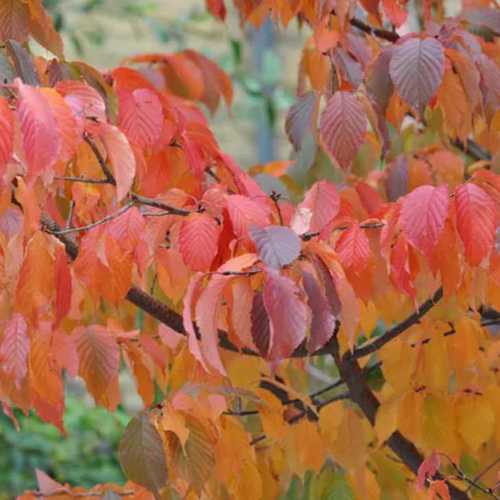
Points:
[(323, 201), (86, 103), (40, 133), (323, 321), (245, 212), (14, 348), (476, 221), (423, 214), (277, 245), (427, 469), (289, 315), (300, 118), (416, 68), (141, 117), (343, 127), (199, 241), (6, 134), (121, 156), (353, 248)]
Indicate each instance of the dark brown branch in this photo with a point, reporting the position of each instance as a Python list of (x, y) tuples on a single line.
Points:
[(360, 394), (397, 330), (150, 202), (390, 36), (473, 149)]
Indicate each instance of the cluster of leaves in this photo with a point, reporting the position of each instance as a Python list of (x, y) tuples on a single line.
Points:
[(116, 198)]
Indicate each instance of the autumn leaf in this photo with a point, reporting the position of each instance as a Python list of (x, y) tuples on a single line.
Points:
[(423, 214), (6, 134), (300, 118), (323, 203), (121, 157), (14, 20), (99, 358), (198, 241), (343, 127), (141, 454), (14, 348), (277, 246), (353, 248), (287, 331), (416, 68), (475, 221), (41, 140)]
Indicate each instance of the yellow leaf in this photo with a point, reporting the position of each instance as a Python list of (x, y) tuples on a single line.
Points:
[(174, 421), (368, 317), (439, 429), (386, 421), (476, 420)]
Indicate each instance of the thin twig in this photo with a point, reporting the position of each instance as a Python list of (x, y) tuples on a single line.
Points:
[(102, 162), (109, 217), (397, 330), (484, 471), (85, 180)]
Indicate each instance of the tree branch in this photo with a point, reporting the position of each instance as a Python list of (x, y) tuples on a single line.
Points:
[(397, 330), (142, 200), (102, 162), (360, 394), (473, 149)]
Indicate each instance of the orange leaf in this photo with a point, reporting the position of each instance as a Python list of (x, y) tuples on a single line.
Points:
[(99, 358)]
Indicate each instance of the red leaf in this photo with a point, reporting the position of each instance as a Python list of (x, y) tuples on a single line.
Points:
[(217, 8), (277, 245), (353, 248), (66, 123), (245, 212), (396, 11), (6, 134), (14, 348), (99, 358), (14, 20), (289, 316), (400, 267), (199, 241), (261, 326), (343, 127), (323, 201), (416, 68), (323, 321), (41, 139), (427, 469), (141, 117), (122, 158), (62, 283), (300, 118), (476, 219), (423, 214), (86, 103)]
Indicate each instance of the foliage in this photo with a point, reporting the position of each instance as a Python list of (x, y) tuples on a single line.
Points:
[(86, 456), (157, 249)]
